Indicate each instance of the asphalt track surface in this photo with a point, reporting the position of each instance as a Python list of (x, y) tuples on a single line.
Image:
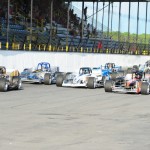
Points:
[(42, 117)]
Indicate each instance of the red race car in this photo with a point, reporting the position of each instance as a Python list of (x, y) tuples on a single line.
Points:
[(134, 81)]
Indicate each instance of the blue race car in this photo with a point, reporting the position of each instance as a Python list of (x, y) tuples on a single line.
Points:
[(42, 74), (111, 67)]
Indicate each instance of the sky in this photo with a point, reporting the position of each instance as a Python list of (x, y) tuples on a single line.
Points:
[(124, 15)]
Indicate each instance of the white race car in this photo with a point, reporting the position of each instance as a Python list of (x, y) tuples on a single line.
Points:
[(87, 77)]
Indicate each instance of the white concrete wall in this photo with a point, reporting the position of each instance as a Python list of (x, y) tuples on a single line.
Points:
[(66, 61)]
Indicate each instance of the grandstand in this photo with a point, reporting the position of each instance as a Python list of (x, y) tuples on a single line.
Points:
[(54, 26)]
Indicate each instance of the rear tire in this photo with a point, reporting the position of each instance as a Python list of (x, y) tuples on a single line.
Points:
[(108, 86), (59, 80), (3, 85), (47, 79), (91, 83), (145, 88)]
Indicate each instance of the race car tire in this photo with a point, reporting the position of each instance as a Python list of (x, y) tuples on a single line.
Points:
[(3, 85), (145, 88), (59, 80), (17, 82), (108, 85), (91, 83), (47, 79)]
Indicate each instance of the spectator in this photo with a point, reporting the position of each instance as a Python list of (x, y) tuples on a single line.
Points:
[(80, 29), (99, 46), (85, 13), (94, 32), (88, 30)]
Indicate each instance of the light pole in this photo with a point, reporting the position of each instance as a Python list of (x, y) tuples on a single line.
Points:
[(8, 16), (51, 19), (31, 25), (68, 20)]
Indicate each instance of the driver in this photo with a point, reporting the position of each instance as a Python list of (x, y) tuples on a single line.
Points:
[(84, 71), (110, 66), (138, 75), (2, 70), (43, 68)]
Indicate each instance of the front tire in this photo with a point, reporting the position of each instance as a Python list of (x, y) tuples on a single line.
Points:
[(145, 88), (17, 82), (47, 79), (91, 83), (108, 86), (3, 85), (59, 80)]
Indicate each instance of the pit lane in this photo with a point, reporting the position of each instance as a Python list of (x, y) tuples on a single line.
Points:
[(42, 117)]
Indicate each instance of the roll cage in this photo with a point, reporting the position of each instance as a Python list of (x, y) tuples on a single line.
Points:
[(44, 66), (85, 70)]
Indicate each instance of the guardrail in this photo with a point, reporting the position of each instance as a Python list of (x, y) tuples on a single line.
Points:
[(119, 48)]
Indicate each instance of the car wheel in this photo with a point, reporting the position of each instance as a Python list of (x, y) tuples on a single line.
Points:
[(145, 88), (108, 86), (3, 85), (91, 83), (47, 79), (59, 80), (17, 82)]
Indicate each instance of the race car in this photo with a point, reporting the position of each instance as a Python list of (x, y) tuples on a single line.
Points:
[(112, 67), (42, 74), (113, 71), (9, 80), (87, 77), (135, 81)]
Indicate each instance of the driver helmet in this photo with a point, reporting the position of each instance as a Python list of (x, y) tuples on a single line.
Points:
[(43, 68), (85, 71), (138, 75), (2, 71)]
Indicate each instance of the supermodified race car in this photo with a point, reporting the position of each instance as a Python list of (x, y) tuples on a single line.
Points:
[(135, 81), (113, 71), (111, 67), (87, 77), (9, 80), (42, 74)]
